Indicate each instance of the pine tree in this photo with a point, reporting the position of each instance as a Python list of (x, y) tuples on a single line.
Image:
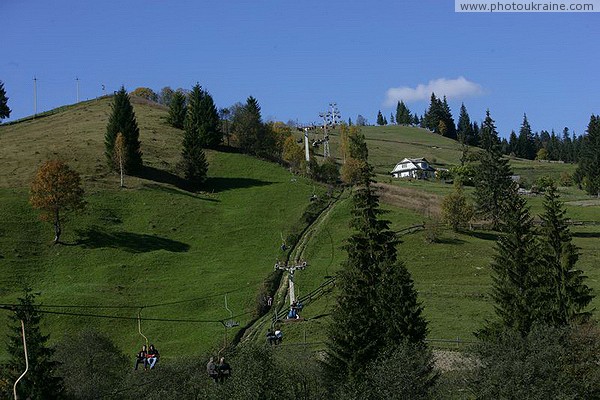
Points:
[(403, 116), (252, 135), (203, 118), (177, 110), (40, 382), (122, 119), (588, 171), (513, 143), (193, 161), (377, 305), (446, 116), (392, 119), (465, 129), (432, 116), (515, 267), (493, 178), (476, 135), (380, 118), (525, 144), (568, 295), (4, 110)]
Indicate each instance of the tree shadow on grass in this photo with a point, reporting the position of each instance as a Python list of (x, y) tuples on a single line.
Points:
[(450, 240), (94, 238), (221, 184), (586, 234), (171, 190), (162, 176), (483, 235)]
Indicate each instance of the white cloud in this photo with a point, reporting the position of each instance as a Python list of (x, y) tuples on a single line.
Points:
[(451, 88)]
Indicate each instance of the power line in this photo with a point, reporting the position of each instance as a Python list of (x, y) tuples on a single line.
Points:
[(72, 314)]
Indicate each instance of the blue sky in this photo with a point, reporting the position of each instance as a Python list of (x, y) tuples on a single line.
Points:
[(296, 57)]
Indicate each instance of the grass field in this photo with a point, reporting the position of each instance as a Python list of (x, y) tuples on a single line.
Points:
[(173, 254)]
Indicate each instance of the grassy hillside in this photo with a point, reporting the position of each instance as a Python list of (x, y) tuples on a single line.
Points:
[(173, 254), (152, 244)]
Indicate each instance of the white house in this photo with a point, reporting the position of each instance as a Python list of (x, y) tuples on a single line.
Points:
[(417, 168)]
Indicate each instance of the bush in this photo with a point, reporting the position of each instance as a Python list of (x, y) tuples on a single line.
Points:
[(566, 179), (457, 211), (90, 364), (402, 372), (549, 363), (542, 184)]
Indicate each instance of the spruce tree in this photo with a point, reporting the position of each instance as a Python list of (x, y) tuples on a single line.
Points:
[(4, 110), (177, 110), (493, 178), (403, 116), (41, 381), (515, 267), (588, 170), (567, 294), (465, 129), (122, 119), (513, 143), (448, 120), (377, 304), (252, 135), (203, 118), (525, 144), (193, 161), (380, 118)]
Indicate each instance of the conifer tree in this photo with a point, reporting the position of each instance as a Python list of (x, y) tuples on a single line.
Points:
[(403, 116), (392, 119), (377, 305), (513, 143), (380, 118), (588, 170), (193, 160), (493, 178), (252, 135), (41, 381), (448, 120), (525, 143), (4, 110), (567, 293), (465, 129), (122, 119), (515, 266), (203, 118), (177, 110)]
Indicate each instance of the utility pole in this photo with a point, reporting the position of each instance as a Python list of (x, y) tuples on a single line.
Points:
[(34, 96), (77, 80), (291, 269), (306, 144), (331, 119)]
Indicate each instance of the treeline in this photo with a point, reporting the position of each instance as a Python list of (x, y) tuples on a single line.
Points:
[(542, 145)]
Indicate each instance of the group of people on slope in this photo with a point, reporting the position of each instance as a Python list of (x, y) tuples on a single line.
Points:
[(218, 372), (148, 357)]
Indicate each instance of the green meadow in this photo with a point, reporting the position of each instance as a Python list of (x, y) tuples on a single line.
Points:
[(156, 250)]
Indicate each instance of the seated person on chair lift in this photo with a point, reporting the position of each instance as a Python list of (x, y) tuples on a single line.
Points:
[(141, 358), (152, 356)]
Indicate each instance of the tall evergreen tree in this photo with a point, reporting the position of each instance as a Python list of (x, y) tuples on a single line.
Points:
[(177, 110), (377, 305), (122, 119), (588, 170), (4, 110), (252, 135), (41, 381), (515, 266), (465, 129), (448, 120), (525, 145), (193, 160), (433, 115), (566, 153), (513, 143), (202, 117), (392, 119), (380, 118), (403, 116), (567, 294), (493, 178), (476, 135)]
